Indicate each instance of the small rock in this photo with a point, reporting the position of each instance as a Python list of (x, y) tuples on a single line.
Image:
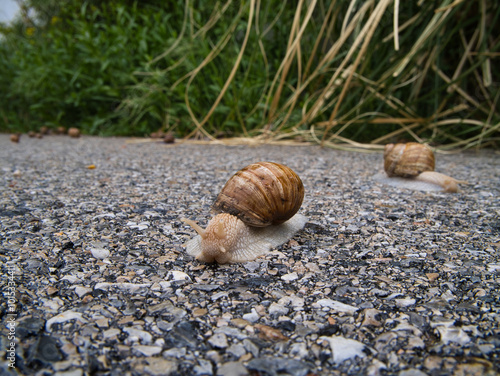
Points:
[(102, 323), (375, 368), (63, 317), (73, 372), (111, 333), (253, 316), (453, 334), (336, 306), (100, 253), (269, 333), (371, 317), (277, 366), (345, 348), (237, 350), (231, 332), (416, 343), (218, 340), (158, 366), (81, 291), (74, 132), (232, 369), (178, 276), (412, 372), (432, 276), (276, 309), (406, 302), (146, 350), (290, 277), (136, 335), (204, 368), (45, 351), (299, 350), (251, 347), (29, 326)]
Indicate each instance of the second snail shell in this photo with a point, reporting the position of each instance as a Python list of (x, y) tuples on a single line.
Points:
[(411, 165), (408, 160)]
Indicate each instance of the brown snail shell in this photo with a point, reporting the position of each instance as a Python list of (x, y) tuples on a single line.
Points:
[(262, 194), (408, 160)]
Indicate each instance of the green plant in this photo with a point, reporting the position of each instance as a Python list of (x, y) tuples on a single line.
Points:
[(344, 74)]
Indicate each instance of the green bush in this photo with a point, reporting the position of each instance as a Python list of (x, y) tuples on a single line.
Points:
[(332, 72)]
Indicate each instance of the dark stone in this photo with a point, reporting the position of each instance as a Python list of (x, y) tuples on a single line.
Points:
[(182, 335), (44, 352), (29, 327), (329, 330), (289, 326)]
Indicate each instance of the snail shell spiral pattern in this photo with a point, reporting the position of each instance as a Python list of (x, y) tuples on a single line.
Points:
[(262, 194), (408, 160)]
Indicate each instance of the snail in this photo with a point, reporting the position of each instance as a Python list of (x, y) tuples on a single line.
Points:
[(257, 210), (411, 165)]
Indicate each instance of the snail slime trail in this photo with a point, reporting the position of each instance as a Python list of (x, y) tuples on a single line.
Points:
[(257, 210)]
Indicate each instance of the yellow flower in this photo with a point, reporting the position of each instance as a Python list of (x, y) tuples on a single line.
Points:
[(54, 20), (30, 31)]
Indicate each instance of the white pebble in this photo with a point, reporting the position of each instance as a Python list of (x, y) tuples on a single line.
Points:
[(405, 302), (345, 348), (290, 277), (82, 291), (100, 253), (277, 309), (176, 275), (63, 317), (218, 340), (337, 306), (136, 335), (146, 350), (252, 316)]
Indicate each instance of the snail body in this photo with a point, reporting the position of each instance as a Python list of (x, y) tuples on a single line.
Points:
[(257, 211), (411, 165)]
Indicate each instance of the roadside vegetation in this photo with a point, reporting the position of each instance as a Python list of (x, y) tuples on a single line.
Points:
[(346, 74)]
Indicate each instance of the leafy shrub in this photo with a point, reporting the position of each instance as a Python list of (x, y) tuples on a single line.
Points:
[(336, 72)]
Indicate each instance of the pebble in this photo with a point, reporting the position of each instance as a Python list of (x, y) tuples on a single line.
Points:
[(100, 253), (136, 335), (290, 277), (277, 309), (346, 348), (232, 369), (412, 372), (64, 317), (253, 316), (81, 291), (218, 340), (336, 306), (146, 350)]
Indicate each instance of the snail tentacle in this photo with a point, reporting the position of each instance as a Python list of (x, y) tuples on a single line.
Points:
[(195, 226)]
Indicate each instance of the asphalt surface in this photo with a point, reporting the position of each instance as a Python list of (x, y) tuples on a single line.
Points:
[(381, 281)]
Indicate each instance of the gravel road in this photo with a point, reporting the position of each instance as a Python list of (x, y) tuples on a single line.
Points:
[(381, 281)]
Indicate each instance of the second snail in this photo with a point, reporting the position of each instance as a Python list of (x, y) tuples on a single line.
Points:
[(411, 165), (257, 210)]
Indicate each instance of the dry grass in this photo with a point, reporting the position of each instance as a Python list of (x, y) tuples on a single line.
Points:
[(362, 75)]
